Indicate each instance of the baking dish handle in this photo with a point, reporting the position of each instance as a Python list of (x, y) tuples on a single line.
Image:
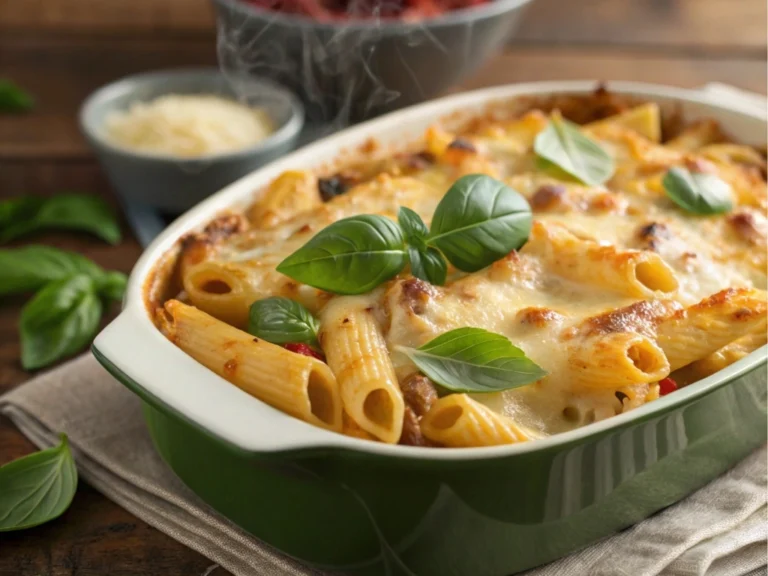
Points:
[(134, 351)]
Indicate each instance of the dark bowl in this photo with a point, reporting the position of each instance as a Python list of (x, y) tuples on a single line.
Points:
[(353, 70)]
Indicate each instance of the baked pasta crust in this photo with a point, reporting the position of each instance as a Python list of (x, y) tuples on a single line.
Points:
[(615, 290)]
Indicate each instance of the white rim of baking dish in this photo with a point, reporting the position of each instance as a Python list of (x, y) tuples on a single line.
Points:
[(137, 349)]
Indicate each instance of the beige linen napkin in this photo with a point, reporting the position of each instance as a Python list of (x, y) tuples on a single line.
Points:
[(721, 530)]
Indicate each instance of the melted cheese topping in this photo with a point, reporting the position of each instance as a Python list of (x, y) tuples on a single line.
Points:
[(524, 296)]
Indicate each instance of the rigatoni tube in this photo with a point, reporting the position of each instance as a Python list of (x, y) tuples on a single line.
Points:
[(616, 360), (298, 385), (358, 355), (631, 272), (701, 329), (458, 421)]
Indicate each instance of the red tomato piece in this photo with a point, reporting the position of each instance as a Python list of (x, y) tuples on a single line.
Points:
[(304, 350), (666, 386)]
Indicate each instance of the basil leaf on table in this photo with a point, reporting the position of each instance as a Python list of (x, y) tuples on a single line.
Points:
[(83, 212), (32, 267), (58, 321), (111, 285), (18, 209), (478, 221), (282, 321), (351, 256), (565, 145), (37, 488), (412, 225), (697, 192), (13, 98), (428, 264), (474, 360)]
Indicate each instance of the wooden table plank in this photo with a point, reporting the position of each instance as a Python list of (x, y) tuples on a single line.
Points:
[(618, 64), (107, 16), (698, 24), (62, 74)]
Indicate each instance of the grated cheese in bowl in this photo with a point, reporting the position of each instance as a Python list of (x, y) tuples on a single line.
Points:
[(188, 126)]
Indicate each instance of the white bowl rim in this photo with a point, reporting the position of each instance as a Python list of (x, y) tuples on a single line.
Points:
[(298, 436)]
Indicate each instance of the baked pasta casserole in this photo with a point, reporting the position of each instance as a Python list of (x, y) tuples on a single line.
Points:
[(546, 265)]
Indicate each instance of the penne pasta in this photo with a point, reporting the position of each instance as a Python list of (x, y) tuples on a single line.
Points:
[(616, 360), (358, 355), (697, 135), (220, 291), (291, 193), (458, 421), (630, 272), (298, 385), (644, 120), (702, 329)]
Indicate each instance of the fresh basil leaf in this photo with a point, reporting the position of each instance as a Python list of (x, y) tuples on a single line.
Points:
[(32, 267), (351, 256), (111, 285), (58, 321), (478, 221), (67, 211), (13, 98), (413, 226), (697, 192), (474, 360), (37, 488), (563, 144), (553, 170), (428, 264), (282, 321), (18, 209)]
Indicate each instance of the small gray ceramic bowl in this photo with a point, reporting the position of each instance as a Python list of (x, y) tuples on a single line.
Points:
[(175, 184)]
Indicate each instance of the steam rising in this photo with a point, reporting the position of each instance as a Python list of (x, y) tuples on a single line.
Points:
[(342, 72)]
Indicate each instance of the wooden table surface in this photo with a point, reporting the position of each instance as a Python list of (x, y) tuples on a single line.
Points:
[(61, 50)]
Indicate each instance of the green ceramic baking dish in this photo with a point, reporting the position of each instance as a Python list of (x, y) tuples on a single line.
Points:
[(350, 505)]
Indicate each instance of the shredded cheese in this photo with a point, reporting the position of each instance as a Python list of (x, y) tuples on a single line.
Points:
[(188, 126)]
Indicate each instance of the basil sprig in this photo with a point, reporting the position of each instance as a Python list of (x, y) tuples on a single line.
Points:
[(474, 360), (478, 221), (697, 192), (281, 321), (413, 226), (81, 212), (37, 488), (13, 98), (64, 314), (563, 144), (426, 262)]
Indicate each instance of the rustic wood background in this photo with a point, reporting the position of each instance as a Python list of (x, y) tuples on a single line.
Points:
[(61, 50)]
